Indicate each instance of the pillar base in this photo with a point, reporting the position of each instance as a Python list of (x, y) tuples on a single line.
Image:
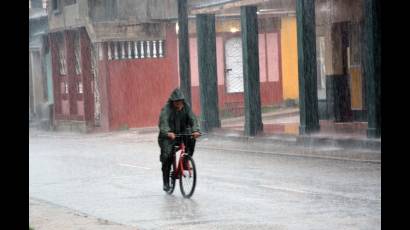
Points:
[(373, 133), (308, 130)]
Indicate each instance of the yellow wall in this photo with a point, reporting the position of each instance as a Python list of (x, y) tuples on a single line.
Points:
[(289, 55), (356, 87)]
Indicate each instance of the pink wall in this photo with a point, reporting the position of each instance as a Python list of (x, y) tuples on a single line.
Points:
[(262, 58), (272, 47), (269, 68), (193, 57)]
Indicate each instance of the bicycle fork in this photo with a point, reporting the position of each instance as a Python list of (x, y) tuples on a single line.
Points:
[(181, 161)]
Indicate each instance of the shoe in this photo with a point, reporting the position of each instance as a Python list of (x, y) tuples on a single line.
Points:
[(165, 186)]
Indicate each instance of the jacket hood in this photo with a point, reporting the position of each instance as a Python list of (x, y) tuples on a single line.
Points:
[(176, 95)]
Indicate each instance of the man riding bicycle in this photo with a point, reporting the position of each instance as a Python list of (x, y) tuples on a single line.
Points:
[(176, 118)]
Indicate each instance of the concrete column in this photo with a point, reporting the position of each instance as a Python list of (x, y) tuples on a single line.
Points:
[(56, 79), (371, 65), (30, 84), (37, 82), (208, 82), (250, 52), (183, 41), (306, 35), (104, 89), (86, 77)]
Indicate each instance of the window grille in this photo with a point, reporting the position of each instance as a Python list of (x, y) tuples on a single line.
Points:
[(77, 54)]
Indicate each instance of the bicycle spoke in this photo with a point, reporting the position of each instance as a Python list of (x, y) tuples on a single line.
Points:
[(188, 177)]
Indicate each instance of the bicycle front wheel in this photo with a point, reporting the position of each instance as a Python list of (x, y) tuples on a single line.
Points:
[(187, 181)]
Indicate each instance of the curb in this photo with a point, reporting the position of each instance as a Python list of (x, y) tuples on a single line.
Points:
[(280, 115), (304, 140), (363, 150), (348, 143), (366, 159)]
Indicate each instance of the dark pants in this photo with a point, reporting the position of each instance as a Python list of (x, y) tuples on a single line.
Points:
[(167, 152)]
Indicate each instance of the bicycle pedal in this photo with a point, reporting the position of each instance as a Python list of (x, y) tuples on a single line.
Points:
[(175, 177)]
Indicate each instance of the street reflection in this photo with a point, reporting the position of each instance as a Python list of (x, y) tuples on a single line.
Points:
[(176, 207)]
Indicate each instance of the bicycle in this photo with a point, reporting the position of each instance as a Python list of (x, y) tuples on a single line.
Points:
[(182, 168)]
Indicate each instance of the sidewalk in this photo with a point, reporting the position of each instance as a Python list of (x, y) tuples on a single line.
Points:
[(283, 127), (281, 113), (280, 129)]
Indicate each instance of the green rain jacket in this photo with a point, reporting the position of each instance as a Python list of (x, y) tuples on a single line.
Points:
[(169, 119)]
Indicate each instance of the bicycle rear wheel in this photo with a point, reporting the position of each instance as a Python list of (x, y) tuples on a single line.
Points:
[(187, 181)]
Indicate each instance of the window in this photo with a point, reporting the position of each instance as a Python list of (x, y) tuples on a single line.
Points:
[(64, 87), (56, 5), (37, 4), (63, 67), (61, 55), (69, 2), (321, 70), (77, 53), (80, 87), (110, 9), (45, 3), (99, 51)]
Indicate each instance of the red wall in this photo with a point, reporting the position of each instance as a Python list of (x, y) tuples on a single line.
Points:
[(137, 89)]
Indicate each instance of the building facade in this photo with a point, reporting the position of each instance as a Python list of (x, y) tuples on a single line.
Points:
[(114, 63), (230, 67), (338, 57), (40, 82)]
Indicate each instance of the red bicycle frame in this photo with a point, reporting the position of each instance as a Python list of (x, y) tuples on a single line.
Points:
[(180, 169)]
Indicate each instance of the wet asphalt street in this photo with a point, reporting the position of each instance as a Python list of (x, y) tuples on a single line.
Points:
[(117, 177)]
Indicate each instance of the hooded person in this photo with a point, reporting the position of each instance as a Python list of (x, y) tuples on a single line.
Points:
[(176, 117)]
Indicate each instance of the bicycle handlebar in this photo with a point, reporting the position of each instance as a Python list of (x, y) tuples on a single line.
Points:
[(181, 135)]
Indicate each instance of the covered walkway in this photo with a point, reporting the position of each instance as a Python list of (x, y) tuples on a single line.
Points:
[(283, 125)]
